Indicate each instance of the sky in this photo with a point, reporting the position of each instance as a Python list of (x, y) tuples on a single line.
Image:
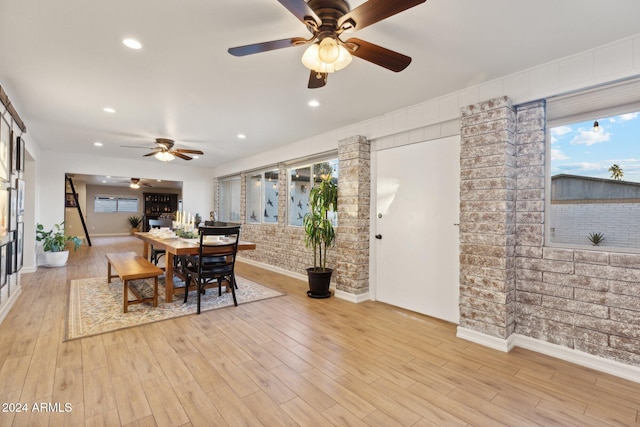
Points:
[(577, 149)]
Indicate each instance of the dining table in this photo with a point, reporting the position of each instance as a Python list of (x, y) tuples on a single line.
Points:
[(177, 246)]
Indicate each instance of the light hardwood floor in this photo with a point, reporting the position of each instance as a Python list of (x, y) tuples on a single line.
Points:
[(287, 361)]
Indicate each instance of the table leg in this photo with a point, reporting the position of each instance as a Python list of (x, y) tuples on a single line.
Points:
[(145, 250), (168, 277)]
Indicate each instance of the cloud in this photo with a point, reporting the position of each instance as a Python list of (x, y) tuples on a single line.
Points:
[(559, 131), (589, 137), (556, 154), (629, 116)]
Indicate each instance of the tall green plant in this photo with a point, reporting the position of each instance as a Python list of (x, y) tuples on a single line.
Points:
[(319, 231), (55, 240)]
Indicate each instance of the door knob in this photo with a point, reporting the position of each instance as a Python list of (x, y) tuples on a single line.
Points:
[(378, 236)]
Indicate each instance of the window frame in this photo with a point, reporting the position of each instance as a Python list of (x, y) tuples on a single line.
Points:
[(597, 114), (262, 196), (219, 215), (311, 164), (117, 201)]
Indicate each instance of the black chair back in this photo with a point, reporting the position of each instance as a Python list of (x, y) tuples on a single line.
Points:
[(221, 224), (215, 261)]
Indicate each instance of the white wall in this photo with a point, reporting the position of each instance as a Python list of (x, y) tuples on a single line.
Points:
[(197, 182), (438, 117)]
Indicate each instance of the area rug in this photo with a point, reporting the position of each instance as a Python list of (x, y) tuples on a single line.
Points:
[(95, 306)]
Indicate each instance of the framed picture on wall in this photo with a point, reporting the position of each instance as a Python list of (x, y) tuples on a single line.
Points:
[(13, 152), (4, 210), (3, 265), (20, 245), (12, 256), (21, 186), (5, 150), (13, 209), (70, 201), (21, 153)]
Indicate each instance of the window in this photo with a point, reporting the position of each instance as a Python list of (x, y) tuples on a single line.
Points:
[(595, 182), (229, 204), (109, 204), (262, 197), (301, 179)]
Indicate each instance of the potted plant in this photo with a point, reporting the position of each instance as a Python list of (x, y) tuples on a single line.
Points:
[(320, 234), (54, 243), (134, 222)]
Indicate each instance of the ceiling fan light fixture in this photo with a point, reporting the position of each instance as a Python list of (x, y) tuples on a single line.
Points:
[(328, 50), (134, 185), (313, 56), (164, 156)]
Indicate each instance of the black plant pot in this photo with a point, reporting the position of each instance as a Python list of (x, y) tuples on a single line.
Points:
[(319, 281)]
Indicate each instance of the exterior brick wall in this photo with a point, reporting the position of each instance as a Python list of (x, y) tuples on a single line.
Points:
[(587, 300), (571, 223)]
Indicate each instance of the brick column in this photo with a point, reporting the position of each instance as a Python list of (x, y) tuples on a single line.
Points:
[(487, 217), (352, 234)]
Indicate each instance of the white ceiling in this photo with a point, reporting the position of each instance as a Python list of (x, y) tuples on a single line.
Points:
[(62, 62)]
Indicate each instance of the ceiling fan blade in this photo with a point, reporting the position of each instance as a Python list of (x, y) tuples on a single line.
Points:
[(317, 80), (373, 11), (182, 150), (301, 10), (250, 49), (182, 156), (153, 153), (137, 146), (378, 55)]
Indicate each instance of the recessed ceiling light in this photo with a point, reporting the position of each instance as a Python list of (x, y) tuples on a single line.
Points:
[(104, 181), (314, 103), (108, 110), (98, 144), (242, 136), (132, 43)]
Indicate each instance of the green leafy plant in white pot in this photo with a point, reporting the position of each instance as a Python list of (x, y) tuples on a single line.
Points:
[(319, 233), (54, 244)]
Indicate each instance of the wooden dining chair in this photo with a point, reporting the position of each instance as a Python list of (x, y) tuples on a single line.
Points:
[(158, 223), (215, 261)]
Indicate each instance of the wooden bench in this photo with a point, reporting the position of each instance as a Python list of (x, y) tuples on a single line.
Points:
[(131, 266)]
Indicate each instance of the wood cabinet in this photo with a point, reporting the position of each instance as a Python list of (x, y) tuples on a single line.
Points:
[(156, 204)]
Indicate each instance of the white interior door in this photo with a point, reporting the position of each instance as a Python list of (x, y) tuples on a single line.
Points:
[(418, 204)]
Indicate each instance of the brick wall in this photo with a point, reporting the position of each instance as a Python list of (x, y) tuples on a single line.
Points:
[(487, 217), (282, 246), (588, 300), (571, 223)]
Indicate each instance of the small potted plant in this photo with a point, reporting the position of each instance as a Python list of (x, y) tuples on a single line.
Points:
[(54, 243), (320, 234), (134, 222)]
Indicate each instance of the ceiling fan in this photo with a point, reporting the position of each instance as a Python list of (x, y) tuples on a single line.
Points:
[(327, 20), (135, 183), (165, 152)]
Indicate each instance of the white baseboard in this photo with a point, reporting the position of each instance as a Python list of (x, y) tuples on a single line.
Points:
[(351, 297), (339, 294), (12, 299), (578, 357), (496, 343)]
